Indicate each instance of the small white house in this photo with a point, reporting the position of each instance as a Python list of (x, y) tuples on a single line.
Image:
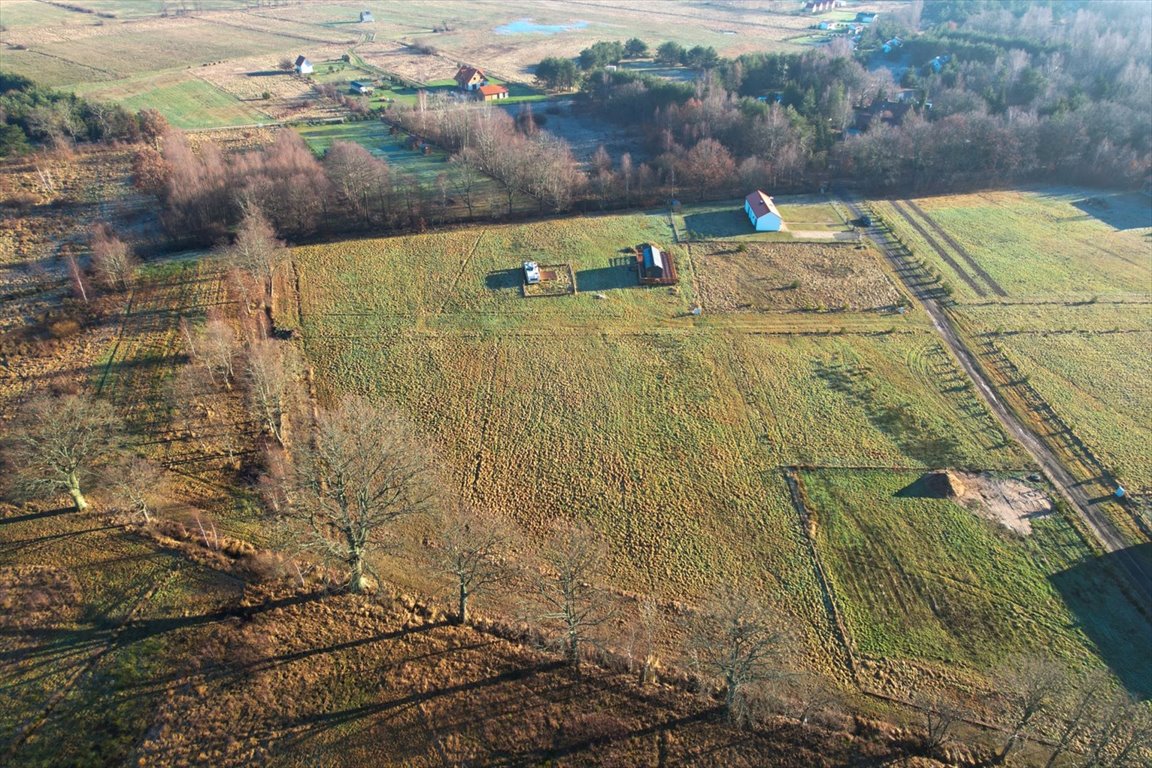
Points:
[(303, 66), (366, 17), (762, 212)]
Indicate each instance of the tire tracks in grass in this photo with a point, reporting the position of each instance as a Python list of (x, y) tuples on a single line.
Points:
[(835, 620), (485, 421), (467, 260), (964, 254), (1096, 527), (934, 244)]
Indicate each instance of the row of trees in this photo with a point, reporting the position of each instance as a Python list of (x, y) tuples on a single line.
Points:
[(559, 73), (205, 194), (526, 162)]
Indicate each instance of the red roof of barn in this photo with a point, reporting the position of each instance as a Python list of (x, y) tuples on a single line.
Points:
[(761, 204), (492, 90)]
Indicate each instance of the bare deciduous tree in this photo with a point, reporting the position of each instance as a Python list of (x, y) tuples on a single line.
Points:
[(256, 249), (1120, 735), (567, 599), (59, 444), (939, 716), (641, 637), (1033, 686), (136, 484), (1077, 711), (736, 639), (359, 178), (213, 346), (270, 371), (112, 259), (464, 178), (473, 551), (358, 476), (78, 281)]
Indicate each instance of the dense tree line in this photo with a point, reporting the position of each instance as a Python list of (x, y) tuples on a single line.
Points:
[(1013, 94), (31, 115)]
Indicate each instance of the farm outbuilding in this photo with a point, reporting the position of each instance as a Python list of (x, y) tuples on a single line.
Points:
[(653, 261), (762, 212), (303, 66), (655, 267), (366, 17), (361, 87), (492, 92)]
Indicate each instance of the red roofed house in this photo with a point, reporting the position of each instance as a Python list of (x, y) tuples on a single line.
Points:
[(762, 212), (470, 78), (492, 92)]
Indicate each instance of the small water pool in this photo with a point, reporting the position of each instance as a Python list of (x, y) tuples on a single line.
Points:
[(527, 27)]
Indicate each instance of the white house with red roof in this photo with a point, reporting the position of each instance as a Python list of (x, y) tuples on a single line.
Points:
[(470, 78)]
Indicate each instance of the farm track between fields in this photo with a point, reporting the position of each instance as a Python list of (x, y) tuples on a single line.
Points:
[(1103, 530), (964, 254), (940, 251), (796, 492)]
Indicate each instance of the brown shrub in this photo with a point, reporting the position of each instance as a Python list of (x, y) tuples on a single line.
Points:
[(62, 329)]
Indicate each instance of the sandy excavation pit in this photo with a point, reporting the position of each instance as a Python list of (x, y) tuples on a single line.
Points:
[(1008, 501)]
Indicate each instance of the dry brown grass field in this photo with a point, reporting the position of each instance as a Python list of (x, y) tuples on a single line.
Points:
[(753, 277)]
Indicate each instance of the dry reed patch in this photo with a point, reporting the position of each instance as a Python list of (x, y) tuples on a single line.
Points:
[(765, 277)]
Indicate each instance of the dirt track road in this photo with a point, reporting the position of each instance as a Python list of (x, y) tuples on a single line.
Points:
[(1132, 568)]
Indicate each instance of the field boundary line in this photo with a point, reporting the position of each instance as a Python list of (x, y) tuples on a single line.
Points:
[(961, 250), (796, 491)]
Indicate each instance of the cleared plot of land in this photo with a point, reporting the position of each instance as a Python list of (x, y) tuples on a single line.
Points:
[(471, 277), (1043, 244), (928, 581), (1101, 386), (791, 276), (585, 132)]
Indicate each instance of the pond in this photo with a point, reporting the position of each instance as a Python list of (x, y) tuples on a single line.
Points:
[(527, 26)]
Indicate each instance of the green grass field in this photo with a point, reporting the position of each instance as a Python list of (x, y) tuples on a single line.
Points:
[(1046, 244), (1076, 268), (1101, 386), (374, 136), (187, 101), (924, 579), (727, 220)]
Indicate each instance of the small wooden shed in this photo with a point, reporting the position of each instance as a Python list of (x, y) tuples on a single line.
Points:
[(654, 266)]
